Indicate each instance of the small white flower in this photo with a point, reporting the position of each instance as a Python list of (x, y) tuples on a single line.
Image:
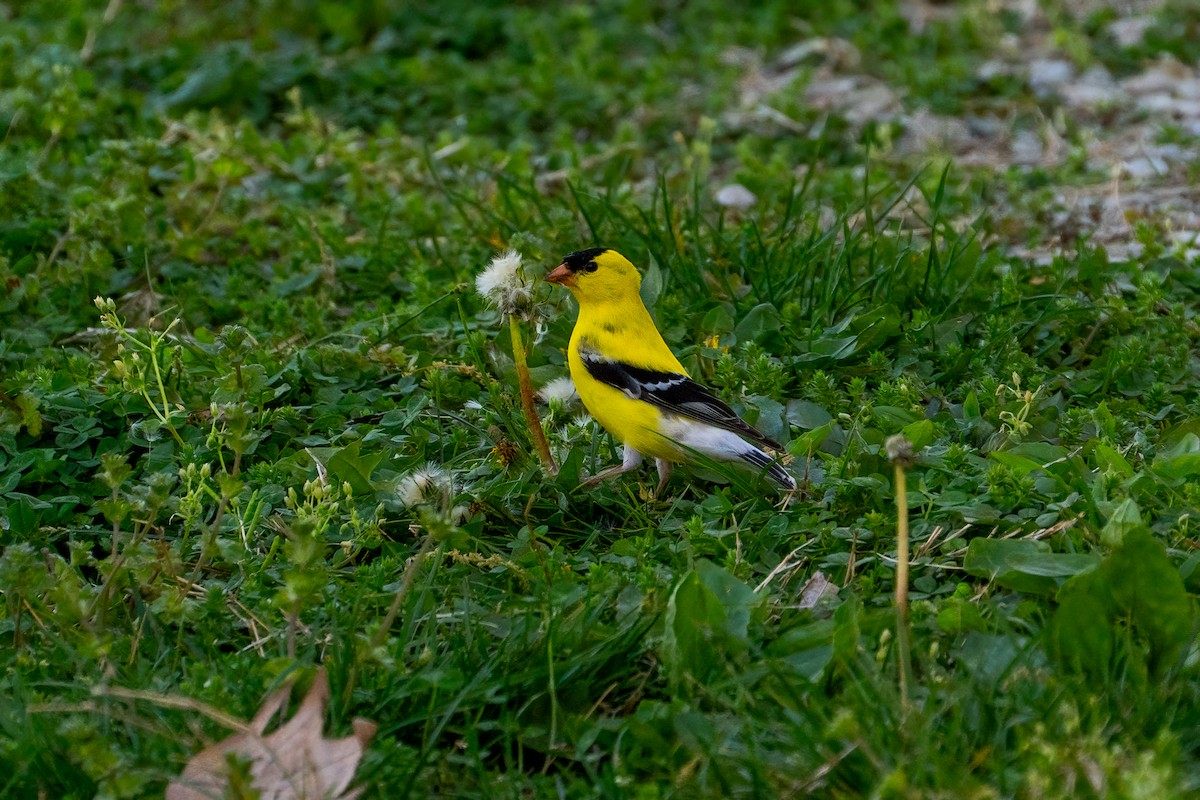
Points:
[(505, 285), (561, 390)]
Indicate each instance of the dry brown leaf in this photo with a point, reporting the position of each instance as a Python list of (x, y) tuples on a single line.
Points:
[(815, 589), (295, 762)]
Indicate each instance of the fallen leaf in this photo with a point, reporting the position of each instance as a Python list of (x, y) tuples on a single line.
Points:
[(295, 762), (815, 589)]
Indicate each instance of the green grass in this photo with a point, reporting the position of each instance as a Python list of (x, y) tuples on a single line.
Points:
[(207, 476)]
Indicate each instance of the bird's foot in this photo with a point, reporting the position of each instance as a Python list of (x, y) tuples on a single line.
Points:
[(788, 496), (631, 462), (603, 475), (664, 474)]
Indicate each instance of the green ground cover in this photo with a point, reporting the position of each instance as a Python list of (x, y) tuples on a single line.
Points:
[(254, 418)]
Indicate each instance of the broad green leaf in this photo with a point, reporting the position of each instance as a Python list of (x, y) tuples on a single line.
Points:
[(877, 326), (826, 351), (253, 383), (770, 419), (694, 619), (569, 470), (1149, 588), (22, 518), (1182, 460), (718, 320), (1125, 517), (298, 282), (1041, 452), (807, 415), (350, 466), (1017, 463), (919, 433), (217, 75), (1024, 565), (959, 615), (707, 623), (1109, 459), (1182, 466), (811, 664), (342, 20), (738, 600), (970, 407), (808, 442), (988, 656), (1080, 631), (1136, 586), (893, 419), (807, 649), (652, 285), (763, 318)]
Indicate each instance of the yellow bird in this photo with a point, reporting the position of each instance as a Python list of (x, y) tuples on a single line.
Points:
[(632, 384)]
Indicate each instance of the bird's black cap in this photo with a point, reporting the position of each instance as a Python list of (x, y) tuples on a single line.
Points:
[(581, 258)]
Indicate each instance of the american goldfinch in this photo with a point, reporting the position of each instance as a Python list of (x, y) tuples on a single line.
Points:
[(632, 384)]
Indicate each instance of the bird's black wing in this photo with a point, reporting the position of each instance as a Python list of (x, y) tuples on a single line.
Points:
[(673, 392)]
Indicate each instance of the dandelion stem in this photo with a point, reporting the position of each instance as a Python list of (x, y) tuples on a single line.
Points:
[(526, 388), (900, 452), (406, 582), (902, 638)]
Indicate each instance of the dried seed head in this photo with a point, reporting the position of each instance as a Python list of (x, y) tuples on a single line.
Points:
[(430, 484), (505, 285), (560, 390), (899, 451)]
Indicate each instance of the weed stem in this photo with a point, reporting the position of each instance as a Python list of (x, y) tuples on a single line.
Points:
[(526, 388), (902, 583), (900, 451), (406, 582)]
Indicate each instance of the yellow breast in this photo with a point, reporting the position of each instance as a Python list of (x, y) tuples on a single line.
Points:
[(634, 340)]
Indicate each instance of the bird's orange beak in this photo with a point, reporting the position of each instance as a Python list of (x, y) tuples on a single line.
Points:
[(562, 276)]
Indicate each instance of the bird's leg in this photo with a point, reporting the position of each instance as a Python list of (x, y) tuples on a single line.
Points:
[(632, 460), (664, 473), (788, 497)]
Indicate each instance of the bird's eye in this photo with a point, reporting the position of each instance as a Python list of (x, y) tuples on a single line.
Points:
[(590, 266)]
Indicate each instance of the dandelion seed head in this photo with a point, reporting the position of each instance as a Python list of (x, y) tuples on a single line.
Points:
[(899, 450), (423, 485), (560, 390), (505, 285)]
